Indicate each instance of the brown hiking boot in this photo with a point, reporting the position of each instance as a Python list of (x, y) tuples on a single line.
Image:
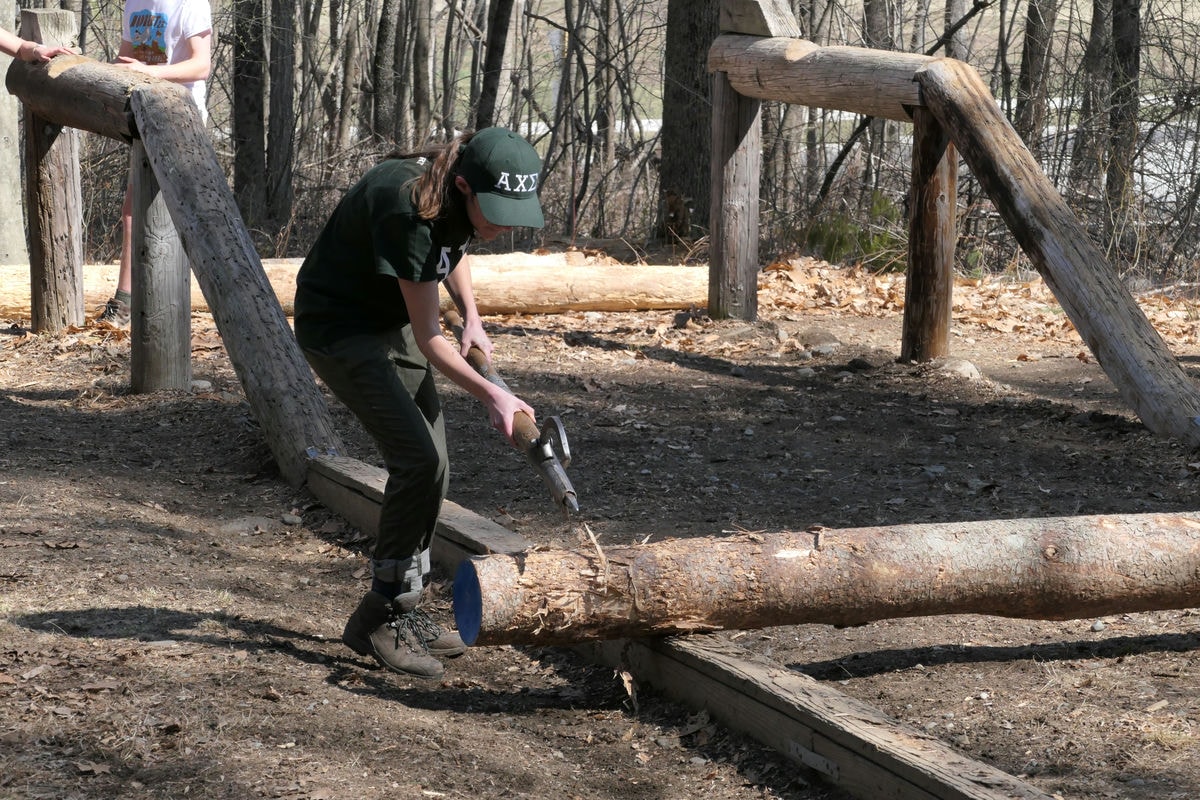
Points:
[(115, 313), (438, 641), (377, 628)]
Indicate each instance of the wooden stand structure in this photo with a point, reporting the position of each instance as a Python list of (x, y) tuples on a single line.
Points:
[(78, 92), (951, 111)]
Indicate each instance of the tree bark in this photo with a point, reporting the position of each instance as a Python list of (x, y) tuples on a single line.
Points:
[(282, 114), (1123, 118), (249, 117), (687, 95), (1054, 568), (499, 18), (1033, 80), (1091, 125)]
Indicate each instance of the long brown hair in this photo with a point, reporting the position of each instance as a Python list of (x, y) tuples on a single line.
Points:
[(431, 191)]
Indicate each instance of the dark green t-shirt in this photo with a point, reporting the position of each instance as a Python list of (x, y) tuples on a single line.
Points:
[(347, 284)]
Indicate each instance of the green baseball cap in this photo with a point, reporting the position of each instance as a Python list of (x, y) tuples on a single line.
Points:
[(503, 170)]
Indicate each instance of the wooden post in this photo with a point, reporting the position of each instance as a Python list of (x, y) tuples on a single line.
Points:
[(1054, 568), (733, 229), (1128, 348), (932, 233), (52, 192), (161, 324), (737, 165)]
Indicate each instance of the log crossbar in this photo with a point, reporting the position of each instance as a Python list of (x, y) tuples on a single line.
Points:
[(953, 114)]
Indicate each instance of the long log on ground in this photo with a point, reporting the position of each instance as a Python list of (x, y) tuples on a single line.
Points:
[(1052, 568), (516, 283), (1128, 348)]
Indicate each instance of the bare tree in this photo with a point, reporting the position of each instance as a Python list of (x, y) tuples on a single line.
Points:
[(687, 109), (1034, 78), (1123, 137), (249, 122), (499, 17)]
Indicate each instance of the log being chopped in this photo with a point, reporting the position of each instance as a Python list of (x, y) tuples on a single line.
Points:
[(1049, 569)]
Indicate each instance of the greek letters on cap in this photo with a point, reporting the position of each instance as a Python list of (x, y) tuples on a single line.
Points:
[(525, 183)]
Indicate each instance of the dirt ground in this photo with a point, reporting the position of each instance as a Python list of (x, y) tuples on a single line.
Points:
[(170, 610)]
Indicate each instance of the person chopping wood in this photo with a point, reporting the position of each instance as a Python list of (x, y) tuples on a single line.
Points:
[(367, 317)]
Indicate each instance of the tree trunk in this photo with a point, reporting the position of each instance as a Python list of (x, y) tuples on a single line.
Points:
[(1054, 568), (499, 18), (956, 42), (1032, 82), (687, 110), (878, 34), (1124, 116), (383, 70), (249, 118), (422, 89), (282, 131), (1091, 124)]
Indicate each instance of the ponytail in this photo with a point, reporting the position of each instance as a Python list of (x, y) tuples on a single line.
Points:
[(431, 191)]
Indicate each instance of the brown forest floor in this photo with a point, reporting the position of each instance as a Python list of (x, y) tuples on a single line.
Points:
[(170, 609)]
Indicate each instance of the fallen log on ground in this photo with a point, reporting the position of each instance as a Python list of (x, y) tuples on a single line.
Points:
[(517, 283), (1050, 569)]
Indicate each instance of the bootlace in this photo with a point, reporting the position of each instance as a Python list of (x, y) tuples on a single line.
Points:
[(417, 624)]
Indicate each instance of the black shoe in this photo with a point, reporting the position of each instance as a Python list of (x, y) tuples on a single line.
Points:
[(377, 629), (115, 313)]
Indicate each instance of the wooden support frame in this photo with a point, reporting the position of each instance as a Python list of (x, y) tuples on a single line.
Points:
[(109, 100), (950, 100)]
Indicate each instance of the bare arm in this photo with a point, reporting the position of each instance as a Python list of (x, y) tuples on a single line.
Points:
[(15, 46), (461, 289), (421, 299), (196, 67)]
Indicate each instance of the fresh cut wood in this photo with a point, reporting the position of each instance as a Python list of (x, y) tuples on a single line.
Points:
[(1051, 568)]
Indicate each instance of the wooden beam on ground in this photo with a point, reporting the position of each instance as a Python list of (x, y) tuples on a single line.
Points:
[(354, 491), (1052, 568), (1128, 348), (848, 743)]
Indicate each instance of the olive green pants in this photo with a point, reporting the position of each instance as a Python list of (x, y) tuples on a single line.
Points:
[(388, 384)]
